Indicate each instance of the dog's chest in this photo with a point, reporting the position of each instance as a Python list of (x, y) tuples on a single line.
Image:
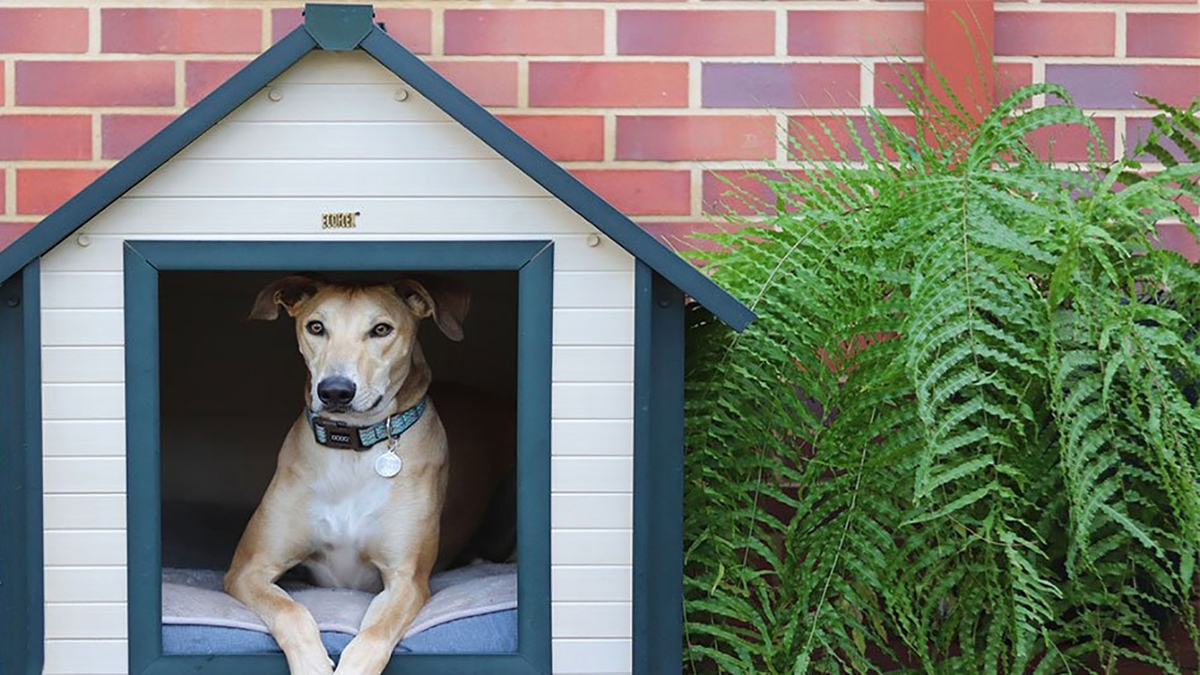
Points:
[(346, 512)]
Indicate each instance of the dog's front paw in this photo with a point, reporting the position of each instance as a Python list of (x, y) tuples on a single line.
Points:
[(363, 656), (316, 663)]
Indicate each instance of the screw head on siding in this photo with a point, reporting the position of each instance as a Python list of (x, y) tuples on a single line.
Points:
[(401, 95), (593, 240), (13, 301), (83, 240), (274, 94)]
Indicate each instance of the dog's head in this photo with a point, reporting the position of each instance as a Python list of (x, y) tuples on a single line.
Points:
[(360, 342)]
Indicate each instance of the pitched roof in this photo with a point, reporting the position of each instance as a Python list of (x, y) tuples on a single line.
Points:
[(345, 28)]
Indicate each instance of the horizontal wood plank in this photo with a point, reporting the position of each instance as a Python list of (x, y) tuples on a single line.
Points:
[(592, 400), (587, 511), (83, 401), (83, 365), (86, 584), (88, 621), (83, 438), (593, 364), (591, 474), (591, 547), (582, 584), (593, 289), (86, 657), (85, 548), (337, 178), (90, 475), (84, 512), (83, 327), (593, 327), (592, 657), (592, 619), (591, 437), (340, 140)]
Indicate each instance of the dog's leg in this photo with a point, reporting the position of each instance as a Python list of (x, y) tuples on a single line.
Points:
[(385, 623), (265, 552), (288, 621)]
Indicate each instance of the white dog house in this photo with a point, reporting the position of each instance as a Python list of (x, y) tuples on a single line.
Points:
[(130, 383)]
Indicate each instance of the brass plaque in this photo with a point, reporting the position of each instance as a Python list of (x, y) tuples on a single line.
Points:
[(342, 220)]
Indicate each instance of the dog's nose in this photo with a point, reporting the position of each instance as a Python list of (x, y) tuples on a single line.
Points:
[(336, 391)]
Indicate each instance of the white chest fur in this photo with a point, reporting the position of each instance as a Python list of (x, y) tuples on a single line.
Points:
[(345, 513)]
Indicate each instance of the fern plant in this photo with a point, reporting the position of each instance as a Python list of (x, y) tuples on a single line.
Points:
[(961, 436)]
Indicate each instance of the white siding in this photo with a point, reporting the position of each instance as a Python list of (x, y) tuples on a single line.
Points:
[(338, 140)]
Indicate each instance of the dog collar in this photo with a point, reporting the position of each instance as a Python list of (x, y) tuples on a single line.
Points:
[(342, 436)]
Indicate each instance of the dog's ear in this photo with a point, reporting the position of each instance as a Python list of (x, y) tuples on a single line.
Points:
[(287, 292), (445, 300)]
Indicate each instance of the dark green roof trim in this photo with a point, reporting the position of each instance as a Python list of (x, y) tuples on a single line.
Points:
[(555, 179), (155, 152), (338, 28)]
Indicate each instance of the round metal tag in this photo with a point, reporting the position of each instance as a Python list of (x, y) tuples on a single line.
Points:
[(388, 464)]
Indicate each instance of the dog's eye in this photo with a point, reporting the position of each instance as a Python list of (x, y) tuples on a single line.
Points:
[(315, 328), (381, 330)]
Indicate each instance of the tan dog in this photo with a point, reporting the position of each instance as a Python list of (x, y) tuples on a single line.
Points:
[(337, 511)]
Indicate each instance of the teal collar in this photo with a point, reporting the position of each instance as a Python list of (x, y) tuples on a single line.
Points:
[(342, 436)]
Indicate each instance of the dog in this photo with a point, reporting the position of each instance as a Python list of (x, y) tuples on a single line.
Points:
[(361, 481)]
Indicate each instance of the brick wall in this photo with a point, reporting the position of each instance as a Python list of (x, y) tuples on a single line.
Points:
[(651, 103)]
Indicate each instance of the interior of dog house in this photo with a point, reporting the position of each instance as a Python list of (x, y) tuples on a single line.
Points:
[(132, 324)]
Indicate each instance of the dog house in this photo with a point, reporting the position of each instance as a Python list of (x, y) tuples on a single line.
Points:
[(149, 412)]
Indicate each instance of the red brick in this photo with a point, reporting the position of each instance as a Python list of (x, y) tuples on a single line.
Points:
[(895, 82), (42, 29), (1069, 143), (122, 134), (780, 85), (687, 138), (891, 79), (524, 31), (45, 137), (854, 33), (10, 231), (691, 32), (741, 192), (608, 85), (160, 30), (641, 192), (489, 82), (825, 137), (40, 191), (1115, 86), (410, 27), (1175, 237), (565, 138), (1055, 33), (202, 77), (1011, 77), (683, 237), (95, 83), (1163, 35)]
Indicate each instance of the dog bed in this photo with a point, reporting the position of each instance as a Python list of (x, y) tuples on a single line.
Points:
[(472, 609)]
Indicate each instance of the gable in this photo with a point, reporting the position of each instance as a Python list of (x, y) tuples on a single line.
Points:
[(247, 84)]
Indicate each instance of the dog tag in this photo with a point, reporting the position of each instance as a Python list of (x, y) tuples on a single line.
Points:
[(388, 464)]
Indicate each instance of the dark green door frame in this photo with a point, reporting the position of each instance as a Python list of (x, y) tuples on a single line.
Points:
[(21, 593), (531, 260)]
